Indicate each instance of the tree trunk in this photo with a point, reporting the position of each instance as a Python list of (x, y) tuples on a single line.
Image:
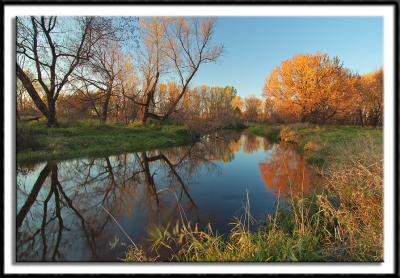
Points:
[(142, 119), (32, 91), (374, 118), (143, 114), (361, 117), (103, 118), (323, 119), (52, 119)]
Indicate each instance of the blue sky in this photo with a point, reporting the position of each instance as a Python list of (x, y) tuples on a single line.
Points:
[(255, 45)]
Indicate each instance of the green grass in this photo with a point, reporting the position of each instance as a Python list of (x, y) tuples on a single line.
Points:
[(331, 138), (271, 132), (328, 137), (88, 139)]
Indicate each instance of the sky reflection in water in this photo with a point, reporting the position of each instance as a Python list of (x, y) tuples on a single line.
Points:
[(60, 213)]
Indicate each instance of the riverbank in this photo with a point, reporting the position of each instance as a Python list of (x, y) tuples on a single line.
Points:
[(319, 143), (36, 142), (343, 223)]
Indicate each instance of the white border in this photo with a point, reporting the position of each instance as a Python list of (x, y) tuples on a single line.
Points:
[(10, 11)]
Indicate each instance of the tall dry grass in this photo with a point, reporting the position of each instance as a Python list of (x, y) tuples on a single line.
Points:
[(353, 204), (343, 222)]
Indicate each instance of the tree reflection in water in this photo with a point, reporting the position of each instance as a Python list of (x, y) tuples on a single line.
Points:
[(286, 172), (78, 192), (59, 204), (63, 207)]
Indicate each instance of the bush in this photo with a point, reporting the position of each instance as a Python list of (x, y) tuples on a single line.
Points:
[(287, 134), (312, 146)]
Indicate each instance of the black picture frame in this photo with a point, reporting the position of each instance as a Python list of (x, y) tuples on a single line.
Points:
[(228, 3)]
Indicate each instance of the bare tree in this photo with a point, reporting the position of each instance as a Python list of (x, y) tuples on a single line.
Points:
[(51, 48), (105, 71), (179, 45), (100, 75)]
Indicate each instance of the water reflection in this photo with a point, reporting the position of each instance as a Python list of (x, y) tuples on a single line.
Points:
[(67, 211), (79, 190), (285, 172)]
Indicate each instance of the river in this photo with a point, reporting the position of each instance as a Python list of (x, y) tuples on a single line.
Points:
[(89, 209)]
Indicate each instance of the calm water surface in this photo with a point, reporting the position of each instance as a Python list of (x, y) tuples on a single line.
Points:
[(65, 209)]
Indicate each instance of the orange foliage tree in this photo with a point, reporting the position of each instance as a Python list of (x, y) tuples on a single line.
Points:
[(310, 87), (372, 97), (237, 104)]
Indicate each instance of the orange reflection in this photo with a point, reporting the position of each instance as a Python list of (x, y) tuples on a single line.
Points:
[(252, 143), (286, 171), (234, 145)]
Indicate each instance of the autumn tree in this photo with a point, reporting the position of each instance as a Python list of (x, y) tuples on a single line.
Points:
[(372, 97), (269, 110), (127, 83), (310, 87), (203, 108), (252, 106), (237, 104), (167, 92), (179, 45)]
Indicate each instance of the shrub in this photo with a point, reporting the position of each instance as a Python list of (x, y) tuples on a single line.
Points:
[(312, 146), (287, 134)]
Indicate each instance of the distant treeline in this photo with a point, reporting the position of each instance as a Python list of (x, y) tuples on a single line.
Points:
[(129, 69)]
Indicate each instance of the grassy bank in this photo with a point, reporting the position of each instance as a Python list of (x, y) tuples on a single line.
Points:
[(36, 142), (342, 223), (320, 144), (271, 132)]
